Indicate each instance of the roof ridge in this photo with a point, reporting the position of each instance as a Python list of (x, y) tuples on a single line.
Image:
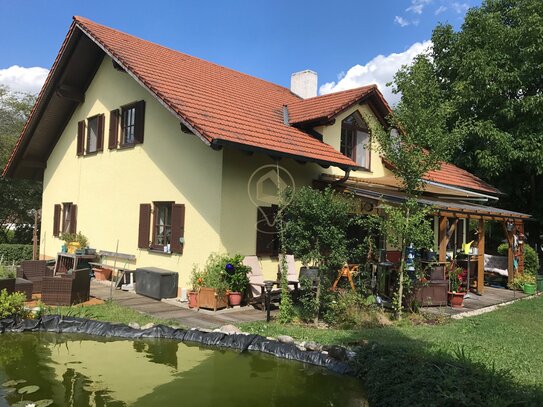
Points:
[(83, 20), (339, 92)]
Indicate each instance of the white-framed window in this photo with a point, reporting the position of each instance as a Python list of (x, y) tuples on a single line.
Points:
[(356, 140)]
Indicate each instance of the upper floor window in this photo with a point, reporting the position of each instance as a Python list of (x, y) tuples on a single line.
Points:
[(355, 140), (92, 140), (132, 123), (92, 134)]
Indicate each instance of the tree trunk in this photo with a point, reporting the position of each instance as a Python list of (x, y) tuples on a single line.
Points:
[(399, 303), (318, 298)]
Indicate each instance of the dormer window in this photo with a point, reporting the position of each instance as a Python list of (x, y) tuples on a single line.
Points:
[(355, 140)]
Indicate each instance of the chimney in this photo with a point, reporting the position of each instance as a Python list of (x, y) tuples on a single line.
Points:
[(304, 83)]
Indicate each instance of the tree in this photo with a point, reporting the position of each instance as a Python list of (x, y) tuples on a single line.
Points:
[(411, 153), (18, 197), (482, 88), (314, 227)]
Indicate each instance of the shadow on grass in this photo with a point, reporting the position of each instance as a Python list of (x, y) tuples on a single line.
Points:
[(407, 374)]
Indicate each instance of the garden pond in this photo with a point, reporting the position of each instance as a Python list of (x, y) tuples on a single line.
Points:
[(82, 370)]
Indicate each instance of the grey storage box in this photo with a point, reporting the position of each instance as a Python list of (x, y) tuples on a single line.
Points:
[(156, 283)]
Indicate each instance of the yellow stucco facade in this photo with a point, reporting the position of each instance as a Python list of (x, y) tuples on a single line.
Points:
[(170, 165), (109, 186)]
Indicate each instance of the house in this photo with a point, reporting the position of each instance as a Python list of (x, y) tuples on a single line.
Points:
[(172, 157)]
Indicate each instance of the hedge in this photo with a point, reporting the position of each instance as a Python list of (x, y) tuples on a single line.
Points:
[(531, 259), (15, 252)]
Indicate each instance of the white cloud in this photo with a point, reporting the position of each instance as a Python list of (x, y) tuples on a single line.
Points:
[(417, 6), (441, 9), (21, 79), (401, 21), (460, 8), (380, 70)]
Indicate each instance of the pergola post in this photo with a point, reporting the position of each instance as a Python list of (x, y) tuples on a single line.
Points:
[(510, 255), (481, 257), (443, 238)]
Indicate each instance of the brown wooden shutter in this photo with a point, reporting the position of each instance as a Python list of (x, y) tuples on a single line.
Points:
[(81, 137), (139, 122), (56, 220), (113, 129), (144, 226), (73, 219), (266, 234), (178, 228), (100, 135)]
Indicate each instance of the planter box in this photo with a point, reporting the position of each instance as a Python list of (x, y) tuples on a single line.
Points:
[(208, 298)]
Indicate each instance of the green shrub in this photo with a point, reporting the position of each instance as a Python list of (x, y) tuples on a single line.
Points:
[(531, 260), (6, 271), (308, 306), (351, 310), (521, 279), (222, 272), (15, 252), (12, 305)]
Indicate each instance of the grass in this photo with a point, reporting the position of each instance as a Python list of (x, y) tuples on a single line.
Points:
[(110, 312), (494, 359)]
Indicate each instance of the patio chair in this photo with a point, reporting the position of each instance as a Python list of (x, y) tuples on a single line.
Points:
[(35, 271), (66, 288), (292, 276), (256, 280)]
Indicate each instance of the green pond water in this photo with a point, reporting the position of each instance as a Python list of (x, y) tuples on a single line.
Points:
[(80, 370)]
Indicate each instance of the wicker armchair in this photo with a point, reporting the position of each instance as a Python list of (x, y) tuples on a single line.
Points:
[(35, 271), (66, 289)]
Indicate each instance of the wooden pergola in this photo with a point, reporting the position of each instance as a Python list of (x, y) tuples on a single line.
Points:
[(512, 222), (449, 212)]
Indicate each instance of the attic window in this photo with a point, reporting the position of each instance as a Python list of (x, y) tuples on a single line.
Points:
[(355, 140), (95, 133), (132, 122)]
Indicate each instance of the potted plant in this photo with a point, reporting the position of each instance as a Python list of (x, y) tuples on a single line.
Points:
[(196, 280), (237, 279), (525, 282), (456, 296), (213, 289), (74, 241)]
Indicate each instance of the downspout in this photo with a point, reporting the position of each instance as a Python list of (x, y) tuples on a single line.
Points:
[(343, 179)]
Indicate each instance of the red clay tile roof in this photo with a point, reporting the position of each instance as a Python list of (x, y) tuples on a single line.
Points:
[(450, 174), (326, 107), (219, 103), (223, 105)]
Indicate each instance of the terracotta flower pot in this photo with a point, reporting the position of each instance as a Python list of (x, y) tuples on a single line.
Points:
[(102, 273), (193, 299), (456, 300), (234, 298)]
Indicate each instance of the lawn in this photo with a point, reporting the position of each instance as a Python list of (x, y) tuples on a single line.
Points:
[(109, 312), (493, 359)]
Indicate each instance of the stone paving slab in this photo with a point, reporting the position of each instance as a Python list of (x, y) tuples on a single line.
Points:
[(174, 311)]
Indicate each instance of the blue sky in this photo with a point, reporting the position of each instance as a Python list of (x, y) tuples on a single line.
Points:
[(358, 41)]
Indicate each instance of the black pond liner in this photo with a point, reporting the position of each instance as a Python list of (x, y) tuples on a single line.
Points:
[(240, 342)]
